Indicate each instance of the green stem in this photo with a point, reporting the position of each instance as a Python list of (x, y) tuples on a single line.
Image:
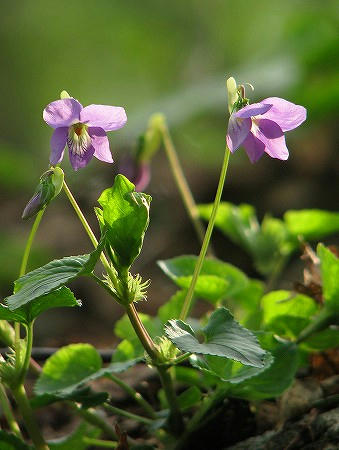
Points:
[(29, 243), (182, 184), (134, 394), (94, 419), (79, 213), (122, 412), (325, 318), (29, 344), (99, 443), (175, 419), (8, 413), (22, 272), (89, 231), (141, 332), (20, 396), (189, 297)]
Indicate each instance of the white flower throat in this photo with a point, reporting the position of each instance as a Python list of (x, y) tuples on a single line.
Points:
[(78, 139)]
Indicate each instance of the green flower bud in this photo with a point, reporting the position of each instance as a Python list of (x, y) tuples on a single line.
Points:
[(150, 141), (232, 92), (64, 94), (49, 187)]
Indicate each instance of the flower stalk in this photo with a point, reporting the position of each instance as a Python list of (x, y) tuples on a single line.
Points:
[(181, 182), (189, 296)]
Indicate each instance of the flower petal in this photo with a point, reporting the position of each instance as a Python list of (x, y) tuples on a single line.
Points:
[(237, 131), (100, 144), (270, 134), (107, 117), (58, 142), (254, 147), (62, 113), (80, 161), (286, 114), (252, 110)]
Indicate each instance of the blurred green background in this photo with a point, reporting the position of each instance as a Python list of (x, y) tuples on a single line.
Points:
[(172, 57)]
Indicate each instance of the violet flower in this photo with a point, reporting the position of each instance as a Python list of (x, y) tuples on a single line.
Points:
[(82, 129), (260, 127)]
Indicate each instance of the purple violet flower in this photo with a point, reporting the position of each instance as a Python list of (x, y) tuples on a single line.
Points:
[(82, 129), (260, 127)]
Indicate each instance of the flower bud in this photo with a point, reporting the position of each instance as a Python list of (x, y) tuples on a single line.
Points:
[(49, 187), (150, 141), (64, 94), (232, 92)]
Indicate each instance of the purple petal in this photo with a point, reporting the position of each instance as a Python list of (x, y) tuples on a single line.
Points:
[(58, 142), (254, 148), (237, 132), (100, 144), (80, 161), (286, 114), (252, 110), (107, 117), (272, 136), (62, 113)]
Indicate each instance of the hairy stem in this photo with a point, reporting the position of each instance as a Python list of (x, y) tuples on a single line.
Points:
[(182, 184), (189, 296)]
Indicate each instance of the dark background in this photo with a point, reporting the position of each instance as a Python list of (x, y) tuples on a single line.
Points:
[(172, 57)]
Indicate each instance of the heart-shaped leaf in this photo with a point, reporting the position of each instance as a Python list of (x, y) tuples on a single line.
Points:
[(222, 336)]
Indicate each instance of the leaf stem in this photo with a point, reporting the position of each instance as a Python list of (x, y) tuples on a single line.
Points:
[(94, 419), (181, 183), (20, 396), (122, 412), (189, 296), (133, 394), (8, 413), (99, 442)]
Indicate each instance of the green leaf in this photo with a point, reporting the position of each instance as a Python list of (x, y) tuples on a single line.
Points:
[(217, 279), (82, 394), (246, 304), (75, 440), (189, 398), (323, 340), (228, 370), (312, 223), (67, 368), (10, 442), (272, 382), (222, 336), (73, 366), (126, 217), (50, 277), (329, 265), (61, 297), (286, 313), (172, 308), (278, 303)]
